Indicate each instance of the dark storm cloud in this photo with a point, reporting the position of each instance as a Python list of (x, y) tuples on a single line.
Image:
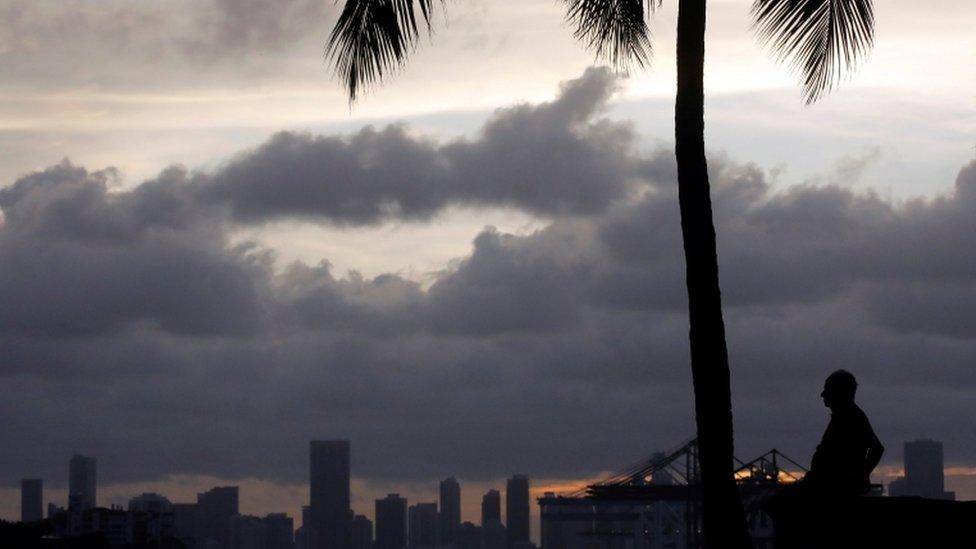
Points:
[(131, 327), (78, 260), (550, 159)]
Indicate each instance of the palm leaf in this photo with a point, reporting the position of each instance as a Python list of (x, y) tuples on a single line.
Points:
[(616, 30), (822, 39), (373, 37)]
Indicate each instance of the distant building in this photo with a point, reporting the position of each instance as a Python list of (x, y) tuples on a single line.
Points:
[(491, 507), (469, 537), (31, 500), (582, 523), (186, 523), (450, 511), (517, 510), (215, 509), (423, 526), (152, 518), (303, 535), (494, 535), (331, 514), (247, 532), (115, 524), (391, 522), (280, 531), (924, 474), (362, 532), (149, 502), (81, 483)]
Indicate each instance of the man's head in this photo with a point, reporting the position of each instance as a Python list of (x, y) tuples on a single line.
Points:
[(839, 389)]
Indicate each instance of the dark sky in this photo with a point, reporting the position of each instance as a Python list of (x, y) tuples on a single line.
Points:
[(133, 329)]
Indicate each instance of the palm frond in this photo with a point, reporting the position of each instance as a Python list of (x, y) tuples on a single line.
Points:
[(373, 37), (616, 30), (822, 39)]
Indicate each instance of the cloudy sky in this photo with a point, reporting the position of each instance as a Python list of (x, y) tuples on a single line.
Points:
[(208, 257)]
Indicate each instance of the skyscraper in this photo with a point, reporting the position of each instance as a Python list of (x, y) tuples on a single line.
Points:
[(81, 483), (31, 500), (491, 507), (423, 526), (391, 522), (924, 475), (450, 514), (329, 494), (517, 510), (215, 508)]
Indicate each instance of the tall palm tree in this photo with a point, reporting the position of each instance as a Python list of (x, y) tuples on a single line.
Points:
[(822, 39)]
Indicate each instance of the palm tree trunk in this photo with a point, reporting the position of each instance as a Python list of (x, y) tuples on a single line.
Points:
[(723, 517)]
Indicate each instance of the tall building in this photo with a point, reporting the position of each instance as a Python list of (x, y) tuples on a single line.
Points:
[(329, 496), (422, 526), (81, 483), (391, 522), (491, 507), (450, 513), (31, 500), (517, 510), (215, 509), (924, 474), (362, 532)]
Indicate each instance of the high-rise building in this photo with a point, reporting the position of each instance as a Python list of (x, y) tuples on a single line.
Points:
[(422, 526), (81, 483), (491, 507), (329, 495), (492, 530), (362, 532), (391, 522), (215, 509), (517, 510), (31, 500), (924, 474), (450, 512)]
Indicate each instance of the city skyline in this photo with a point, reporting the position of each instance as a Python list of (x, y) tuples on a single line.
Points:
[(921, 458), (329, 467)]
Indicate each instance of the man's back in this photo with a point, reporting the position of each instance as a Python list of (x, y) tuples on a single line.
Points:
[(845, 456)]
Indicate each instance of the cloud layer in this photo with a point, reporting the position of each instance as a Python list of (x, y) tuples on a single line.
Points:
[(132, 328)]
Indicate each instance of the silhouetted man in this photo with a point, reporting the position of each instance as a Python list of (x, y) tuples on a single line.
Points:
[(849, 449), (839, 472)]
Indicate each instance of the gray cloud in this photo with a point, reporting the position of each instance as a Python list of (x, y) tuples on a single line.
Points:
[(551, 159), (132, 328)]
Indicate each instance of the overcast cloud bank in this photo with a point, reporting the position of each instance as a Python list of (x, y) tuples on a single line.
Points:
[(133, 329)]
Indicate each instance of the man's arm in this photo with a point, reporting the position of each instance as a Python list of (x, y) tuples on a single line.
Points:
[(875, 451)]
